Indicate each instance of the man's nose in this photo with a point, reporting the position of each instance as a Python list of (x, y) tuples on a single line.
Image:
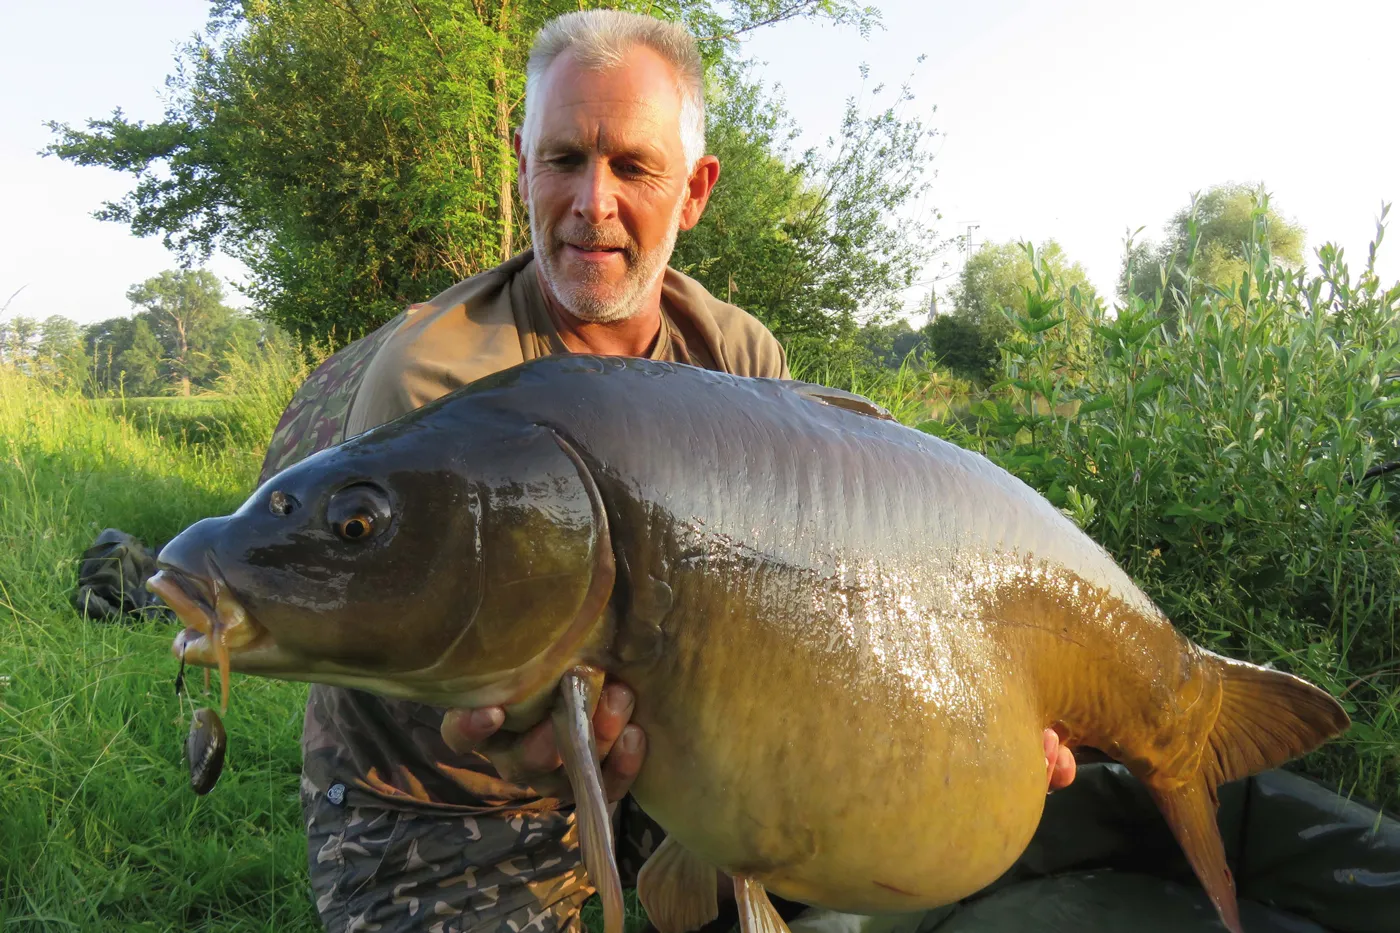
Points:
[(596, 198)]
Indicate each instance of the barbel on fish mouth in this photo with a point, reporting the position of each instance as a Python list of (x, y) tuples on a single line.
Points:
[(840, 631)]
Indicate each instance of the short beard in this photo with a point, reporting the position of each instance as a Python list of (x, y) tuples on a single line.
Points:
[(585, 303)]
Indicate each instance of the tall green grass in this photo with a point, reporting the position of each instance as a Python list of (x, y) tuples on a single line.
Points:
[(98, 828)]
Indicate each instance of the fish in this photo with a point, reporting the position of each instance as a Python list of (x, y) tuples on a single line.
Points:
[(845, 636)]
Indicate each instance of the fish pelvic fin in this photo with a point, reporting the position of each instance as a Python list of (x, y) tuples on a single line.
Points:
[(1190, 812), (756, 912), (579, 690), (1266, 718), (677, 888)]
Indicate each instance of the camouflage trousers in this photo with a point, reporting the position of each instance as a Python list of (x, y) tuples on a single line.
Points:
[(395, 871)]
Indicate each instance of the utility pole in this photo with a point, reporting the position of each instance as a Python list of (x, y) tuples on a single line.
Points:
[(967, 243)]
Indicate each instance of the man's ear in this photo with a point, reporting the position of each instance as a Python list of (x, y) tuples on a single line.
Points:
[(522, 179), (698, 188)]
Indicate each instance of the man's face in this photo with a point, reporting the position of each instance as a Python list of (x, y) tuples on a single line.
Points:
[(606, 183)]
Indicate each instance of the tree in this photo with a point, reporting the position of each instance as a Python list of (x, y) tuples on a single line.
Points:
[(17, 337), (186, 314), (1209, 237), (356, 156), (59, 354), (813, 245), (996, 277), (139, 371), (893, 343)]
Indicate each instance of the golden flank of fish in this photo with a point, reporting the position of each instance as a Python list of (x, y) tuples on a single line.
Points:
[(839, 630)]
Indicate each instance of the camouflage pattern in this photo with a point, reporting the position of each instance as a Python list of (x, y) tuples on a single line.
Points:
[(395, 871), (315, 417), (112, 576)]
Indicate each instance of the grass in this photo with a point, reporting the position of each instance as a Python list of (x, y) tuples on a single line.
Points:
[(99, 828)]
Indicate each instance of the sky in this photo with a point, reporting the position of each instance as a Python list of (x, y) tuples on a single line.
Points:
[(1077, 120)]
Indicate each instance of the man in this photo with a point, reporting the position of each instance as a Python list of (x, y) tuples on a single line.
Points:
[(410, 828)]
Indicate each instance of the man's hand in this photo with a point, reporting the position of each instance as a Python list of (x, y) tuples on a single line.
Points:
[(1059, 762), (533, 761)]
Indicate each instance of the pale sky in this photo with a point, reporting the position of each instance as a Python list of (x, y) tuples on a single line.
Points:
[(1076, 120)]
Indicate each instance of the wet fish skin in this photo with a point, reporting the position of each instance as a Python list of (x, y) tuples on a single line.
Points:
[(838, 630)]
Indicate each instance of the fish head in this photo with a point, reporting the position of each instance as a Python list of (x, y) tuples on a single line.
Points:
[(436, 560)]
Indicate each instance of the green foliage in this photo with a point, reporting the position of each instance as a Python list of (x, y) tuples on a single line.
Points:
[(182, 341), (186, 317), (1224, 463), (892, 344), (51, 351), (813, 245), (1210, 237), (995, 281), (356, 157), (139, 363)]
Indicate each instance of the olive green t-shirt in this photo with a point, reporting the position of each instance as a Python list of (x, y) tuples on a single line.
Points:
[(390, 752)]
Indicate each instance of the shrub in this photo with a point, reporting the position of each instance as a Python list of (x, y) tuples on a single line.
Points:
[(1230, 460)]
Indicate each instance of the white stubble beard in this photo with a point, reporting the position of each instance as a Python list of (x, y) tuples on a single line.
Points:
[(587, 305)]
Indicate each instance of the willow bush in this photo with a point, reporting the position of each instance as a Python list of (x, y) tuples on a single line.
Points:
[(1232, 456)]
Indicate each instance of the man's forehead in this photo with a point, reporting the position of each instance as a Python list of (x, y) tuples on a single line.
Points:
[(633, 103)]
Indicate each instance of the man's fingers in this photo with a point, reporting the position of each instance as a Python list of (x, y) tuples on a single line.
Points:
[(1059, 762), (464, 729), (539, 752), (1064, 771), (611, 715), (622, 764), (533, 759)]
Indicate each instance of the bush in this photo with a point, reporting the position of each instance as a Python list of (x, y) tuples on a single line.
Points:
[(1222, 457)]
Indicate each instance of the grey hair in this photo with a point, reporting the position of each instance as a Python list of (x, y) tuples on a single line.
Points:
[(599, 39)]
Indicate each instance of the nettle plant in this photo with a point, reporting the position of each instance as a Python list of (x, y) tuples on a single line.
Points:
[(1232, 447)]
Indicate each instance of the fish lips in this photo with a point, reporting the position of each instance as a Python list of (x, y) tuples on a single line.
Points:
[(210, 610)]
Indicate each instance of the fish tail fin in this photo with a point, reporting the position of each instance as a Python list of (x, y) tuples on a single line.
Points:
[(1266, 717)]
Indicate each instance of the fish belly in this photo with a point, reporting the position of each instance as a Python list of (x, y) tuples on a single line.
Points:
[(856, 799)]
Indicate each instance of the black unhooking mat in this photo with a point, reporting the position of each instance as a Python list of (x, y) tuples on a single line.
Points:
[(1305, 860)]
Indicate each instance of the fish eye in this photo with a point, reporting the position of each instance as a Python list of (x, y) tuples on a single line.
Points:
[(357, 513)]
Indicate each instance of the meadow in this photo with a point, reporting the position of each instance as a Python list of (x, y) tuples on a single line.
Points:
[(1231, 457)]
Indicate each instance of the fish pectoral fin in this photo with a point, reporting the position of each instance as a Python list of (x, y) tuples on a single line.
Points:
[(573, 728), (677, 888), (756, 912), (839, 398)]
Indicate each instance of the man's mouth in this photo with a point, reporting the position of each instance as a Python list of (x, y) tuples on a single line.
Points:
[(590, 252)]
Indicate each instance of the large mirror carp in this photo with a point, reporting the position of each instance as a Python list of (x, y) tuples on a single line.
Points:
[(839, 630)]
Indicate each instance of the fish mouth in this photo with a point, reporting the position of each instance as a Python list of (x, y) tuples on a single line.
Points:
[(217, 625)]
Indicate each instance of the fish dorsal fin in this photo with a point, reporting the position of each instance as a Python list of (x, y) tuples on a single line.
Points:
[(677, 888), (839, 398), (579, 690)]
